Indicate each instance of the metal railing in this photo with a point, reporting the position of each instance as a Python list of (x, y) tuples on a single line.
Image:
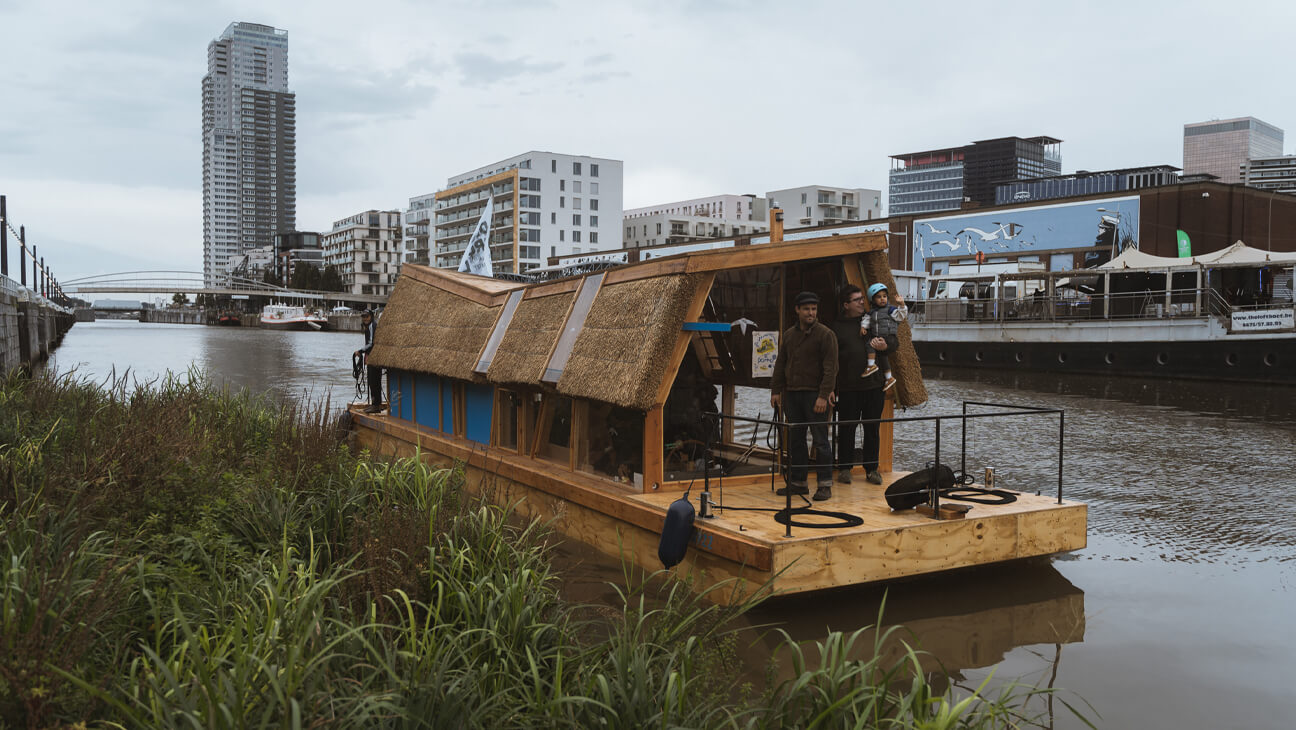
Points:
[(1145, 305), (778, 429)]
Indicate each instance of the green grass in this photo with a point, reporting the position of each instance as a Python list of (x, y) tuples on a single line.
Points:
[(173, 555)]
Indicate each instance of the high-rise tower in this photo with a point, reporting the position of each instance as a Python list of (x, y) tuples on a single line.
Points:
[(249, 144)]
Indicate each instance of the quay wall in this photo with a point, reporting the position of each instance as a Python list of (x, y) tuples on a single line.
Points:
[(345, 322), (29, 330), (173, 316)]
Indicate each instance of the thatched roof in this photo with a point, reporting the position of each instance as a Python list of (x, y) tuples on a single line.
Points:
[(524, 351), (428, 328), (910, 390), (623, 352)]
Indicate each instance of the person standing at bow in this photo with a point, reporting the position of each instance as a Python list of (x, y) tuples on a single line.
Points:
[(374, 373), (805, 373)]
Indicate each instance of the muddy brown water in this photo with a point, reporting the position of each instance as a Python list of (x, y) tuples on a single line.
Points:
[(1177, 614)]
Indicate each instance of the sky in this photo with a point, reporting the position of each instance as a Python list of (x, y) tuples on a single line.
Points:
[(100, 102)]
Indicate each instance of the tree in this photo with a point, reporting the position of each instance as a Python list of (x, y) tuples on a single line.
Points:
[(331, 280), (179, 300)]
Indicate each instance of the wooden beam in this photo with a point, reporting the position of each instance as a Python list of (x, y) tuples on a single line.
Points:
[(653, 447), (682, 339), (727, 402), (886, 433), (561, 286)]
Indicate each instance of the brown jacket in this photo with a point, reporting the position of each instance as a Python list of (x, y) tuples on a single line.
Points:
[(806, 361)]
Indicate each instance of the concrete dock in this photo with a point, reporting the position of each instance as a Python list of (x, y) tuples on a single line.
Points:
[(30, 327)]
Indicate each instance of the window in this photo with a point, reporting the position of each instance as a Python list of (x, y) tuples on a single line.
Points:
[(576, 168), (561, 233), (576, 203), (576, 219), (807, 211), (593, 205), (576, 186), (562, 184), (594, 186), (659, 229), (553, 217), (803, 198), (594, 219), (553, 250), (593, 171), (562, 201), (553, 165), (593, 236), (575, 236)]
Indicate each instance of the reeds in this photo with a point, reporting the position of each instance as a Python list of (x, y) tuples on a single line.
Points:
[(175, 555)]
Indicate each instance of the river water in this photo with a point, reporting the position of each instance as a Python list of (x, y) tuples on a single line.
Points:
[(1177, 614)]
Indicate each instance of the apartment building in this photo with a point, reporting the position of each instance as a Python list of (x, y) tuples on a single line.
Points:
[(543, 204), (1270, 173), (365, 249), (821, 205), (682, 221), (249, 121), (418, 229)]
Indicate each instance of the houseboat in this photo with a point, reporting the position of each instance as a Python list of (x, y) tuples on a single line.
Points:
[(596, 401), (1227, 315)]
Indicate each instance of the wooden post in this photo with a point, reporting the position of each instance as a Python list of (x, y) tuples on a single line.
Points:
[(776, 225), (652, 448), (886, 434), (727, 401)]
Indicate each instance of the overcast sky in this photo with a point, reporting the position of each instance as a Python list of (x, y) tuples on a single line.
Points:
[(100, 102)]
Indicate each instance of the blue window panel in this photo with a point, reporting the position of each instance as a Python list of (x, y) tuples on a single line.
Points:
[(393, 392), (447, 405), (427, 400), (403, 403), (479, 402)]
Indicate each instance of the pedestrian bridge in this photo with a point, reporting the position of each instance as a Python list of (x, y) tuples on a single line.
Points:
[(192, 282)]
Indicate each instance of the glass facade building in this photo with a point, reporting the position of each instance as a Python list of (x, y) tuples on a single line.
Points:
[(1085, 183), (1220, 147), (936, 180)]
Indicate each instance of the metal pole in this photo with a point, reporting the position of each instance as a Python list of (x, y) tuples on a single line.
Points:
[(4, 238), (705, 512), (44, 280), (22, 251), (35, 281), (963, 424), (1061, 430), (935, 483)]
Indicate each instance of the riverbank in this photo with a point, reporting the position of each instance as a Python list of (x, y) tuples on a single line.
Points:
[(30, 328), (213, 555)]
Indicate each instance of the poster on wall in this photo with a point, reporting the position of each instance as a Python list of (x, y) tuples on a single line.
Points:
[(764, 353)]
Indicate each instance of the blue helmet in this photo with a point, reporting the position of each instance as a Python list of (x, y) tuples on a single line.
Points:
[(874, 289)]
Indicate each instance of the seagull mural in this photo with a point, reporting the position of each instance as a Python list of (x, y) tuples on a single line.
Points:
[(953, 246), (934, 229)]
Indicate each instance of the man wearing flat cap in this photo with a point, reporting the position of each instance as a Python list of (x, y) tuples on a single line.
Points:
[(805, 373)]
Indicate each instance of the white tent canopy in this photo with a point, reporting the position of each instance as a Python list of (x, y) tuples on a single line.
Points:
[(1237, 254)]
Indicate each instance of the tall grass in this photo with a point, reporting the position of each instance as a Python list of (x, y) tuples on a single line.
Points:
[(175, 555)]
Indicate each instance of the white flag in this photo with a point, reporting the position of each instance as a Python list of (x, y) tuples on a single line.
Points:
[(476, 258)]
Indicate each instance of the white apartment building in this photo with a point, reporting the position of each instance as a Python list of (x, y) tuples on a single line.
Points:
[(418, 229), (1270, 173), (366, 251), (821, 205), (727, 207), (545, 204), (249, 145)]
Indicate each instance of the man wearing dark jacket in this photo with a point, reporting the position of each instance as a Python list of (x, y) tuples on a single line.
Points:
[(372, 372), (858, 397), (805, 373)]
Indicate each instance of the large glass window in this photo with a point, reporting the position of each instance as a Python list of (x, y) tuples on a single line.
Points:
[(613, 443)]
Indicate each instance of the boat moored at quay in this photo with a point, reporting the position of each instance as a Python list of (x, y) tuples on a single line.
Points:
[(1228, 315), (292, 317), (597, 401)]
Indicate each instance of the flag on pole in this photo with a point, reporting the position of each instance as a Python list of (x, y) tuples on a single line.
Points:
[(1185, 244), (476, 258)]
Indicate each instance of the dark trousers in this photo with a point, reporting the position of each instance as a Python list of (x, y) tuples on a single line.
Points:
[(375, 384), (798, 408), (858, 405)]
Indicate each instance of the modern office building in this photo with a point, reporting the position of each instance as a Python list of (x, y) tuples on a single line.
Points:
[(293, 247), (544, 204), (366, 251), (1084, 182), (1220, 147), (249, 144), (1270, 173), (821, 205), (956, 177)]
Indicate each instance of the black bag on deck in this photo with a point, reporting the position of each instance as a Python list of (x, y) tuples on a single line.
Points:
[(676, 533), (913, 489)]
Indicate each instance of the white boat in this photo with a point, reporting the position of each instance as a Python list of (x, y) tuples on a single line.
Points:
[(1228, 315), (292, 317)]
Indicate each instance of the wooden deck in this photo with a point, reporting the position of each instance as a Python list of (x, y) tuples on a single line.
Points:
[(751, 546)]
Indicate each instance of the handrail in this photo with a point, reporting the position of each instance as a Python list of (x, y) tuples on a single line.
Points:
[(1156, 304), (780, 427)]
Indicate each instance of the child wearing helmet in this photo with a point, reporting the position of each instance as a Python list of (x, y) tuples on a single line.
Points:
[(881, 320)]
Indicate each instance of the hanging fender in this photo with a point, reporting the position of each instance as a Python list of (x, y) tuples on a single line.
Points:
[(676, 532)]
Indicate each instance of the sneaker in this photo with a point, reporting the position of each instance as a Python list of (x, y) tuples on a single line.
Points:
[(889, 382), (844, 476), (874, 477), (374, 409), (824, 492), (793, 489), (869, 371)]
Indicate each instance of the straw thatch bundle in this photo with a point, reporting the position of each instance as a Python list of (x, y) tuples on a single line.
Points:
[(430, 330), (524, 351), (624, 350), (909, 388)]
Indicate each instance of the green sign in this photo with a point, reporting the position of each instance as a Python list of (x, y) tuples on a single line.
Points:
[(1185, 246)]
